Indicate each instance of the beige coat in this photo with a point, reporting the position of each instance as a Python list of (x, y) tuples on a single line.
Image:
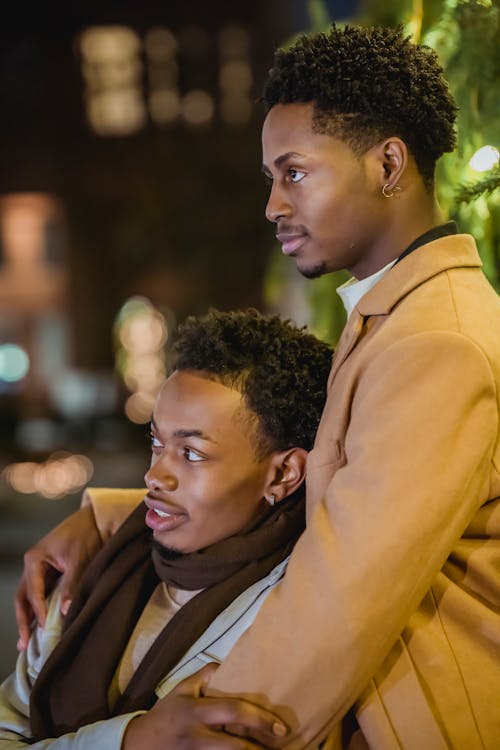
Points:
[(398, 572), (391, 600)]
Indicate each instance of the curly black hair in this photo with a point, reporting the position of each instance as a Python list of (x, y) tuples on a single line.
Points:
[(280, 370), (368, 84)]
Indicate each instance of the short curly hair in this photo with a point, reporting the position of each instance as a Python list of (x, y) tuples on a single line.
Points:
[(368, 84), (280, 370)]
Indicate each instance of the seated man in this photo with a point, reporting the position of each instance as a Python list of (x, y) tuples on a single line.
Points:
[(186, 573)]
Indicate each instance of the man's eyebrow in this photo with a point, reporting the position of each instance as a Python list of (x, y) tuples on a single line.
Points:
[(192, 433), (280, 160), (184, 433)]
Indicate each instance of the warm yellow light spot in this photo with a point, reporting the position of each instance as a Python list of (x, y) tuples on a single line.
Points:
[(198, 107), (235, 76), (61, 474), (139, 407), (112, 69), (164, 106)]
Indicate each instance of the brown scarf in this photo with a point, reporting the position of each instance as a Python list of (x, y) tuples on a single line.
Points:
[(72, 688)]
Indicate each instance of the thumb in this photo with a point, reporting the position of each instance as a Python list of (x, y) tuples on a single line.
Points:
[(195, 684), (68, 585)]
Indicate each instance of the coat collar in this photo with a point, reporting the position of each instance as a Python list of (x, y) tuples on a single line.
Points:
[(452, 251)]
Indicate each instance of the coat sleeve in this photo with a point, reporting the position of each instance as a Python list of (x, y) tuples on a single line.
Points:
[(111, 507), (15, 732), (419, 445)]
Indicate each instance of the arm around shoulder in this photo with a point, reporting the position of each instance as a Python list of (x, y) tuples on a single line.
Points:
[(419, 447)]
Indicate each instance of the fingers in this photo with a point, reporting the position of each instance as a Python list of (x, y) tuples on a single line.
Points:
[(38, 582), (68, 585), (24, 616), (251, 720), (223, 722), (195, 685)]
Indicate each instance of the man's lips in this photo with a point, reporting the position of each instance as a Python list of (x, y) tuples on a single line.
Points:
[(162, 516), (290, 243)]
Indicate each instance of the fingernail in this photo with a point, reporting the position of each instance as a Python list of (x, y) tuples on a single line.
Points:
[(279, 729), (65, 606)]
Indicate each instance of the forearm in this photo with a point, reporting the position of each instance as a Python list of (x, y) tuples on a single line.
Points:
[(103, 734)]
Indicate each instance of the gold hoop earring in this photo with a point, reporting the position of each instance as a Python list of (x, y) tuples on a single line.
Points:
[(390, 193)]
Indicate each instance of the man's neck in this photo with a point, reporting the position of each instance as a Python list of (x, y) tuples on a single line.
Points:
[(410, 219)]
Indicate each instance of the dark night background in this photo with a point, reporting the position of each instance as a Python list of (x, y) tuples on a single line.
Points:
[(172, 212)]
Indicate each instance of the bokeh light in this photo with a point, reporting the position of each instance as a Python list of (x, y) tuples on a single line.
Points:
[(485, 158), (14, 363), (62, 473), (141, 333), (198, 107)]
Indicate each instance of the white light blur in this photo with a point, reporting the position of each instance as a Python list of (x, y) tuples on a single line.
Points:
[(141, 332), (109, 43), (146, 372), (485, 158), (61, 474), (14, 363)]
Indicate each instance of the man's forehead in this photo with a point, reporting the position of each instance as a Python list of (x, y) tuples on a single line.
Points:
[(293, 119), (288, 133), (191, 398)]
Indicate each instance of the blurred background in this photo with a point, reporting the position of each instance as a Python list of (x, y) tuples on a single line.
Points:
[(131, 196)]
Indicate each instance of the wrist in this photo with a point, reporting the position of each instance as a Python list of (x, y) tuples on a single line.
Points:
[(133, 735)]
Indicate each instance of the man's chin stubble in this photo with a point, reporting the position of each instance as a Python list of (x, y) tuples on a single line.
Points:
[(166, 553), (313, 273)]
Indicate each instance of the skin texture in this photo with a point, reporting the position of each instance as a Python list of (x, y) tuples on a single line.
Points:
[(204, 472), (327, 201)]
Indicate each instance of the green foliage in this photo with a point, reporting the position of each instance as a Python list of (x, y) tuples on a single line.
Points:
[(467, 39)]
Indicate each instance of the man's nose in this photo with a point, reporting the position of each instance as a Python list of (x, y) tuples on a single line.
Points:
[(277, 206), (160, 478)]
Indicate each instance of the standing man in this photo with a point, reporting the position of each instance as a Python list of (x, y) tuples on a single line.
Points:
[(391, 600), (392, 595)]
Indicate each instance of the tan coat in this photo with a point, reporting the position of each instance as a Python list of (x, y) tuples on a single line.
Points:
[(398, 572)]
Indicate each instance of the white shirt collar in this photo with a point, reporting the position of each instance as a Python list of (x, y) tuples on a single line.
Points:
[(351, 292)]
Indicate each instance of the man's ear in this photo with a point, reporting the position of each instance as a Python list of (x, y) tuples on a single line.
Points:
[(391, 156), (286, 473)]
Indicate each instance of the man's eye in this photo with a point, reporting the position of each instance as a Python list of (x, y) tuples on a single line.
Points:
[(295, 175), (155, 443), (192, 455)]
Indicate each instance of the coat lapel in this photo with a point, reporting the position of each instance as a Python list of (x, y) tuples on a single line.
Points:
[(348, 340)]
